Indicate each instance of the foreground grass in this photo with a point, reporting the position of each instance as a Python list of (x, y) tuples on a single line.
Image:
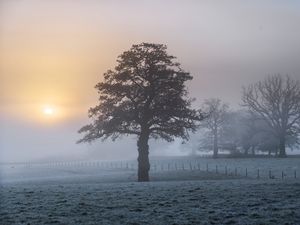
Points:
[(103, 200)]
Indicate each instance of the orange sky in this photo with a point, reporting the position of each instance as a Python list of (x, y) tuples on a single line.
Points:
[(48, 56)]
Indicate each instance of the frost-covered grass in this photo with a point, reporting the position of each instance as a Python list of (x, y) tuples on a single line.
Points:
[(110, 196)]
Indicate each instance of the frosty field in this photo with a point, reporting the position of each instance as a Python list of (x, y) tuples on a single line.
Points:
[(89, 195)]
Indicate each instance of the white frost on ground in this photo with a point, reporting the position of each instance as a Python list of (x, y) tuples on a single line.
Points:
[(93, 196)]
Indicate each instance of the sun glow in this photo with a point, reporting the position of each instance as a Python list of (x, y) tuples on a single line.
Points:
[(48, 110)]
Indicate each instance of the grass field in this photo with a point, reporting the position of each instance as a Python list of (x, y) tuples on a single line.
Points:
[(89, 195)]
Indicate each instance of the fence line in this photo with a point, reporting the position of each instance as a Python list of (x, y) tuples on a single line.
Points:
[(168, 165)]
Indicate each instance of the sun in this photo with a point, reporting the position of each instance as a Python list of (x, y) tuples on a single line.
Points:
[(48, 110), (50, 113)]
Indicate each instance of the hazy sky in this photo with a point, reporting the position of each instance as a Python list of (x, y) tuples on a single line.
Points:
[(52, 53)]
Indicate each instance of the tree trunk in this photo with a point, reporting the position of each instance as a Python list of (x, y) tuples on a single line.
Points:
[(282, 152), (143, 157), (215, 145)]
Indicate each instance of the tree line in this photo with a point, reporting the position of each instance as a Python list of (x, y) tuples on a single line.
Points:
[(146, 95), (267, 122)]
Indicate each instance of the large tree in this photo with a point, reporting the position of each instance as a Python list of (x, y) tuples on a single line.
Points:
[(277, 101), (145, 95)]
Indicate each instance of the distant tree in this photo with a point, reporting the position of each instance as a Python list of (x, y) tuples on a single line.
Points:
[(230, 132), (206, 141), (251, 131), (258, 135), (247, 132), (145, 95), (216, 111), (277, 101)]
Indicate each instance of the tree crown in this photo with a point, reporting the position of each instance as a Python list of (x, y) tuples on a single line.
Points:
[(144, 94), (277, 101)]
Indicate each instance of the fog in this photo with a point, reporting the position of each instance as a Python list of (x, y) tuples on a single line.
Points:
[(56, 51)]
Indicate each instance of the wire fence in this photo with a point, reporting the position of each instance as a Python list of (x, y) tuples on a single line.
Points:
[(233, 168)]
